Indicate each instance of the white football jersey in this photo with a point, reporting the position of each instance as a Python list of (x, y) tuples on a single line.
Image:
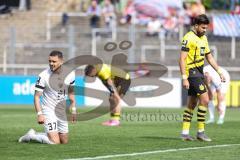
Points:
[(52, 95), (216, 80)]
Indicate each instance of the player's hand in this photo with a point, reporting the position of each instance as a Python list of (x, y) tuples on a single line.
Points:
[(223, 79), (41, 119), (73, 118), (186, 83), (73, 111)]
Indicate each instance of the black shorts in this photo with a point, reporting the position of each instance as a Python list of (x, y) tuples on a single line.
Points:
[(122, 85), (197, 86)]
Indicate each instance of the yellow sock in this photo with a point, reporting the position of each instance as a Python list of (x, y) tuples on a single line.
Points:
[(115, 116), (187, 117), (201, 114), (186, 126)]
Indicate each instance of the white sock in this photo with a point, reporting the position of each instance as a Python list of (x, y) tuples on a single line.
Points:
[(185, 132), (211, 109), (201, 130), (222, 107), (41, 138)]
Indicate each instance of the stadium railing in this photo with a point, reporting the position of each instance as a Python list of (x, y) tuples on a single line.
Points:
[(27, 67)]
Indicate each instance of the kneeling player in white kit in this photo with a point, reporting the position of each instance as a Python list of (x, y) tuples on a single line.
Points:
[(215, 85), (52, 110)]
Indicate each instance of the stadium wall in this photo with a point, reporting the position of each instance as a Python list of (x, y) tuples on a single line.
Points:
[(20, 90), (171, 99)]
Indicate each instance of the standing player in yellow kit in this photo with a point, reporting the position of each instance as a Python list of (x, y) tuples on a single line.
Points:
[(191, 62)]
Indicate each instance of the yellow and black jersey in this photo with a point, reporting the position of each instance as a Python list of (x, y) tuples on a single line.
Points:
[(105, 72), (197, 48)]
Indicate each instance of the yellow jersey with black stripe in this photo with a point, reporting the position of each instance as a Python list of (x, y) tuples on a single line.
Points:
[(197, 48), (105, 72)]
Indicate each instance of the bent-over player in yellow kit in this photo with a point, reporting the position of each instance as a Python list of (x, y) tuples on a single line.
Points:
[(117, 82), (193, 52)]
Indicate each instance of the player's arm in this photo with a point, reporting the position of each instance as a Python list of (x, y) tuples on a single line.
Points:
[(182, 65), (113, 92), (71, 96), (37, 106), (72, 107), (214, 64), (110, 86)]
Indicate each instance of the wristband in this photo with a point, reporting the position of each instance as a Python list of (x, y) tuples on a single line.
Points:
[(219, 71), (39, 113), (184, 77), (111, 89), (73, 110)]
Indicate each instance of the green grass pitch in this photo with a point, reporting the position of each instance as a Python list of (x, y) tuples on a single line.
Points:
[(141, 130)]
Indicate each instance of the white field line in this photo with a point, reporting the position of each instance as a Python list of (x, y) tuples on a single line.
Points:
[(153, 152)]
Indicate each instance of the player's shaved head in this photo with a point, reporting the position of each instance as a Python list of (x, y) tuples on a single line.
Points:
[(55, 60), (90, 70), (56, 53)]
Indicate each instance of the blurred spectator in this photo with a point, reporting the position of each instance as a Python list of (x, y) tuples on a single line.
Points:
[(153, 27), (63, 6), (224, 4), (215, 4), (128, 12), (24, 5), (108, 13), (197, 8), (170, 23), (193, 9), (142, 71), (65, 19), (4, 9), (116, 4), (84, 4), (186, 15), (95, 12), (233, 4), (237, 9)]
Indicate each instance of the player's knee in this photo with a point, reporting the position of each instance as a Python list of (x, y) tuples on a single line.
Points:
[(204, 102), (114, 99), (63, 138), (193, 105), (111, 99), (210, 97), (117, 99), (64, 141), (54, 138), (54, 141)]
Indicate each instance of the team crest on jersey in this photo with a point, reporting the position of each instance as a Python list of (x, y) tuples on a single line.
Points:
[(201, 87), (184, 43), (202, 51)]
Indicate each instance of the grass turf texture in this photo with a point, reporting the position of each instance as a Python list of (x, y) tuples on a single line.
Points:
[(140, 131)]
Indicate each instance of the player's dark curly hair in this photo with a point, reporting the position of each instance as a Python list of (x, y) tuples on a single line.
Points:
[(201, 19), (88, 70)]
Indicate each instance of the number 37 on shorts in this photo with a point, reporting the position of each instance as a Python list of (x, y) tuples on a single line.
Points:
[(51, 126)]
